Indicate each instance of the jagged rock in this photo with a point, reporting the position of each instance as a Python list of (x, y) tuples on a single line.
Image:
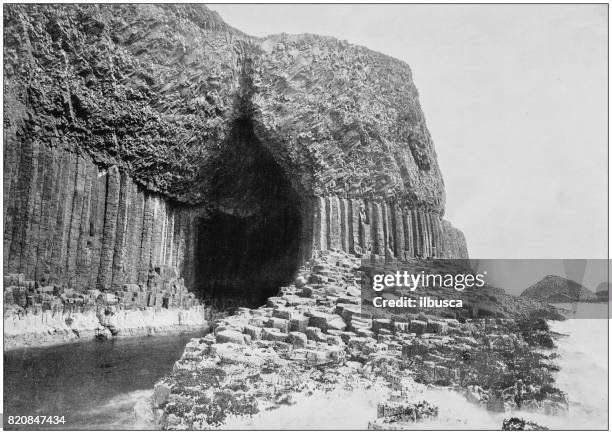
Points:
[(476, 394), (103, 334), (518, 424), (393, 414)]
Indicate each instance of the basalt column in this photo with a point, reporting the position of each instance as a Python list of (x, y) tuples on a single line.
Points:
[(385, 229), (198, 156), (249, 243)]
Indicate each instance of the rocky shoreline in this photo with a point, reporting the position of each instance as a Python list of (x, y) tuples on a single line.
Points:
[(314, 337), (28, 330), (38, 315)]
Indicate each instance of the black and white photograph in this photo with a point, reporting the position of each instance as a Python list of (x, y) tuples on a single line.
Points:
[(305, 216)]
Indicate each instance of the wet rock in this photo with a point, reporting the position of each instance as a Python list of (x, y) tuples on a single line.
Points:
[(518, 424), (392, 414), (144, 415), (476, 394), (161, 394), (103, 334)]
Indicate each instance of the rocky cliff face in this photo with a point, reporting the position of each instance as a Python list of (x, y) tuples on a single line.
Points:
[(136, 134)]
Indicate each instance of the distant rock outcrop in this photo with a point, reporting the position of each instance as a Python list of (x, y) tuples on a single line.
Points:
[(555, 289), (603, 291)]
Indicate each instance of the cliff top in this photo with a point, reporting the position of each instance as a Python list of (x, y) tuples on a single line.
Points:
[(157, 90)]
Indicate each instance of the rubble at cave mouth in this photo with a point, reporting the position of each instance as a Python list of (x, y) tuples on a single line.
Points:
[(248, 245)]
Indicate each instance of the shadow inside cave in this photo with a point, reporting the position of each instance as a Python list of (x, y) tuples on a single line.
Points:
[(248, 245)]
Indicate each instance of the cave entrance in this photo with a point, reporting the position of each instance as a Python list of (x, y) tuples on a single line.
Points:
[(248, 246)]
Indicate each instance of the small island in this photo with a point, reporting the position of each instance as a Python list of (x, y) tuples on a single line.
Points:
[(556, 289)]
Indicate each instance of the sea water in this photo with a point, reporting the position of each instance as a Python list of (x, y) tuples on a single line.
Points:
[(94, 385)]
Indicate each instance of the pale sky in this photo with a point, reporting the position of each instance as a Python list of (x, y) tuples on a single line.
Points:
[(515, 98)]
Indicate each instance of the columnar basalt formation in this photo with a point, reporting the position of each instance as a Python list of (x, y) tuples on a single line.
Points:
[(386, 229), (71, 221), (146, 137)]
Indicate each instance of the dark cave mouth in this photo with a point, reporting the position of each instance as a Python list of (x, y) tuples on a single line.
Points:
[(248, 245)]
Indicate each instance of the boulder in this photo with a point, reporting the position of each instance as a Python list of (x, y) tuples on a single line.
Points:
[(161, 394), (233, 336), (319, 320), (278, 323), (518, 424), (335, 322), (253, 331), (298, 323), (273, 334)]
